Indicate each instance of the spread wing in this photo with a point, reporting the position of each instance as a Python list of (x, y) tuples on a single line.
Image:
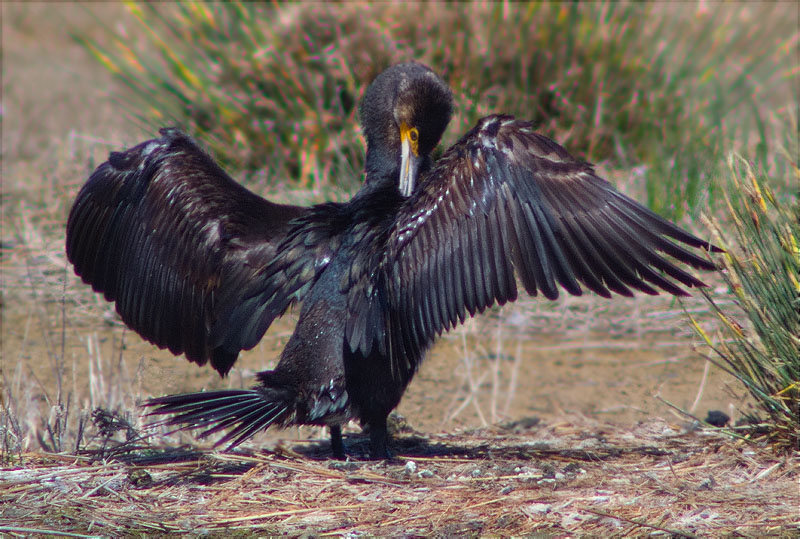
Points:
[(506, 201), (180, 247)]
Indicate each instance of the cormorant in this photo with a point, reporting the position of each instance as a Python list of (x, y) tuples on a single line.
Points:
[(198, 264)]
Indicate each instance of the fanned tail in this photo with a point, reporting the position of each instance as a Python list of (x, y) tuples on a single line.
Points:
[(243, 411)]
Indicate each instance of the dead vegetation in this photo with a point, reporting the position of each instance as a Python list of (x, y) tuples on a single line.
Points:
[(577, 476)]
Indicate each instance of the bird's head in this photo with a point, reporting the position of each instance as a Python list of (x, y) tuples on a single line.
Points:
[(403, 115)]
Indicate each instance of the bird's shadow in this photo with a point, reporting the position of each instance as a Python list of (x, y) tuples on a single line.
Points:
[(408, 446), (188, 465)]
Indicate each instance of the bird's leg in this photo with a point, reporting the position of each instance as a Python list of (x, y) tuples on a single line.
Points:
[(337, 446), (379, 439)]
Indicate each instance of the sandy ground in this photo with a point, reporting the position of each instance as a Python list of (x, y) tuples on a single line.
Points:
[(580, 367)]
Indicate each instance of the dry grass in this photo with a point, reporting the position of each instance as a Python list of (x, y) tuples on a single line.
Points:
[(577, 476)]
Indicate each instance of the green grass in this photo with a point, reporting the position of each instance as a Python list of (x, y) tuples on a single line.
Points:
[(275, 87), (760, 343)]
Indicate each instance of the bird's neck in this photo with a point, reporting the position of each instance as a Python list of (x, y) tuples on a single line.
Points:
[(377, 187), (382, 164), (382, 169)]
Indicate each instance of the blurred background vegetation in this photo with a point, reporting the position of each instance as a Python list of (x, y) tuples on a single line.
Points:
[(273, 88)]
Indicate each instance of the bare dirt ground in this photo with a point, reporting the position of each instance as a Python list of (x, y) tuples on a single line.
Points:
[(537, 417)]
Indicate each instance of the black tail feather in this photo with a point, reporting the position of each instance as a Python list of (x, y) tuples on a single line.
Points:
[(244, 411)]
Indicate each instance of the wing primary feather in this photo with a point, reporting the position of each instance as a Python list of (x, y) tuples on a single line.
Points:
[(561, 268), (356, 326), (188, 308), (127, 302), (481, 269), (431, 288), (488, 281), (494, 258), (149, 275), (618, 222), (543, 259), (664, 226), (647, 257), (441, 285), (641, 223), (420, 296), (507, 290), (413, 318), (476, 259), (402, 340), (109, 255), (445, 267), (498, 224), (550, 232), (468, 275), (446, 264), (531, 268), (587, 228), (593, 270), (539, 256), (616, 255), (399, 326), (513, 229), (459, 298), (85, 224), (384, 330), (590, 266)]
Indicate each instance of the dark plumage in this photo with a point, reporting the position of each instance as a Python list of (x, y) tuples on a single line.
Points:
[(200, 265)]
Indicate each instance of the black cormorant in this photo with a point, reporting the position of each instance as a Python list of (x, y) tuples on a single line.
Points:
[(198, 264)]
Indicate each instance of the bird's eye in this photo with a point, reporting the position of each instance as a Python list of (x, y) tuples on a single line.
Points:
[(410, 135)]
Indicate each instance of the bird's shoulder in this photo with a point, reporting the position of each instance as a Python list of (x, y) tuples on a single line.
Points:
[(511, 139)]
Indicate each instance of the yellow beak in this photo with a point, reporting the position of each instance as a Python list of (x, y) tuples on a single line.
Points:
[(409, 162)]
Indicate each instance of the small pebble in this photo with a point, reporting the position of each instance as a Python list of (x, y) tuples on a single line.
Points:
[(345, 466), (707, 484), (717, 418), (538, 508)]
